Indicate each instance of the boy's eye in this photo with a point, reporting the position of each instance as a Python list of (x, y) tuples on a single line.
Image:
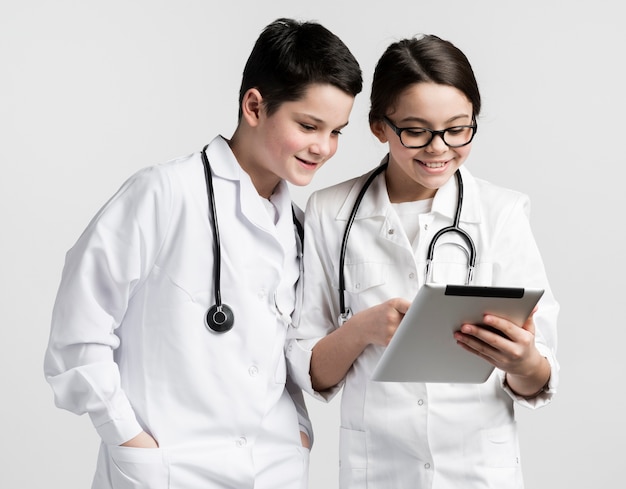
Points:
[(311, 128)]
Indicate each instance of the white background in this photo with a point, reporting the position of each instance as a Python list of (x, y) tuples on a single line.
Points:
[(92, 91)]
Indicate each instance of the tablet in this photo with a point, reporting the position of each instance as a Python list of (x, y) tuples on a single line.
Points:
[(423, 349)]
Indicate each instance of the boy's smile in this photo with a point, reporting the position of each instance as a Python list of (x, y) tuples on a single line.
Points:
[(294, 141)]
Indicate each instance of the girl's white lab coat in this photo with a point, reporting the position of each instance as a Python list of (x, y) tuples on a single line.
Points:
[(401, 435), (129, 346)]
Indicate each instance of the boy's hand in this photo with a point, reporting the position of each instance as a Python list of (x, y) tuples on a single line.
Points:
[(142, 440), (306, 443)]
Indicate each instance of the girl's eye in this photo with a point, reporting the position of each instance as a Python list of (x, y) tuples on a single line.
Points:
[(337, 132), (308, 127), (416, 131)]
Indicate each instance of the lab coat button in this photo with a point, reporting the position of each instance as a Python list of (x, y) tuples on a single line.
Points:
[(420, 402), (253, 371), (427, 465), (411, 275), (391, 231), (242, 442)]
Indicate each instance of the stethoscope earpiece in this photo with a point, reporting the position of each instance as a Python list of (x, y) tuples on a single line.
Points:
[(219, 318)]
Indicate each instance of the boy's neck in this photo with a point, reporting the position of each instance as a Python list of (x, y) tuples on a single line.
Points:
[(264, 180)]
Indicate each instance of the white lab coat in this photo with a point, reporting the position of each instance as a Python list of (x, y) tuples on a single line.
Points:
[(129, 346), (415, 435)]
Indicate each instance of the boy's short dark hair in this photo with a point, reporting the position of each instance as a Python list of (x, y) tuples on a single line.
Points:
[(289, 56)]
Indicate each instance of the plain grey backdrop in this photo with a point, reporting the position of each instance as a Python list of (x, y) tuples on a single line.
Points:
[(91, 91)]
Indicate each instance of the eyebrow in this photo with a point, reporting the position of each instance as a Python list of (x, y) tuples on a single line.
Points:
[(317, 120), (419, 120)]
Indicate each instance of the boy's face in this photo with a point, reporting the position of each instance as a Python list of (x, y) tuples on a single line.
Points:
[(300, 136)]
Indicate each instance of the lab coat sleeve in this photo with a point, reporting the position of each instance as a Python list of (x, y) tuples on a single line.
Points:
[(520, 262), (102, 270), (319, 306)]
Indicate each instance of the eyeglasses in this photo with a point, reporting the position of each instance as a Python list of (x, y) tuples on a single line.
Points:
[(420, 137)]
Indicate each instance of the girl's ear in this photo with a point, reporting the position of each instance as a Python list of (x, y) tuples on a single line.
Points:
[(378, 129), (252, 106)]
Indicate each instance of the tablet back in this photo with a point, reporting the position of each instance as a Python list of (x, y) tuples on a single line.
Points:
[(423, 348)]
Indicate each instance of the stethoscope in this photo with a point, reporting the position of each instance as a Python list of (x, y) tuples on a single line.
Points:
[(345, 313), (220, 317)]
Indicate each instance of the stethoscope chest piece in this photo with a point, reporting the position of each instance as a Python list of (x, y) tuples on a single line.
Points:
[(219, 318)]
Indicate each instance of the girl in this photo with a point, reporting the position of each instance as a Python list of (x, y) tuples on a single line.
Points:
[(425, 105)]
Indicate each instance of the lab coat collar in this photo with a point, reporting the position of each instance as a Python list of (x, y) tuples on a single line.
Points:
[(224, 165), (222, 159), (375, 203)]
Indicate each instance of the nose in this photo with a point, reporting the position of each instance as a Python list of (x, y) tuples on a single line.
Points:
[(324, 146), (437, 145)]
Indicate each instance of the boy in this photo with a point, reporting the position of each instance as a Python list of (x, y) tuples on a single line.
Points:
[(179, 399)]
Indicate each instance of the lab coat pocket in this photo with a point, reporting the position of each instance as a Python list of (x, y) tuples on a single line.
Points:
[(352, 458), (501, 447), (360, 277), (283, 469), (138, 468)]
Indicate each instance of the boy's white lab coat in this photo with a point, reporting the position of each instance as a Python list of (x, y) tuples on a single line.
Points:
[(401, 435), (129, 346)]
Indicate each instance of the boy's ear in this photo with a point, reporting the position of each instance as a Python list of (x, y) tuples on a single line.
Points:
[(251, 106), (378, 128)]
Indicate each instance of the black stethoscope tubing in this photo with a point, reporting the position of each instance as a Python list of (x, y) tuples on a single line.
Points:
[(455, 229), (345, 312), (219, 317)]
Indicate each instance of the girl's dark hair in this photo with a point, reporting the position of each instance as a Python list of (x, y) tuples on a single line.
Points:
[(289, 56), (425, 59)]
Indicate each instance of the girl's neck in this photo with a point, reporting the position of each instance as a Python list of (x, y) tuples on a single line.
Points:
[(401, 188)]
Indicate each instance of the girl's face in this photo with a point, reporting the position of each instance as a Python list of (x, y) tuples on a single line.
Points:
[(416, 174)]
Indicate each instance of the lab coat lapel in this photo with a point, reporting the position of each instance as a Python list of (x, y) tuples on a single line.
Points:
[(253, 209), (285, 225), (375, 203), (225, 165), (252, 206)]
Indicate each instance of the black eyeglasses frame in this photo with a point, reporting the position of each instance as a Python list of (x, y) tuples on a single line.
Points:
[(433, 133)]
